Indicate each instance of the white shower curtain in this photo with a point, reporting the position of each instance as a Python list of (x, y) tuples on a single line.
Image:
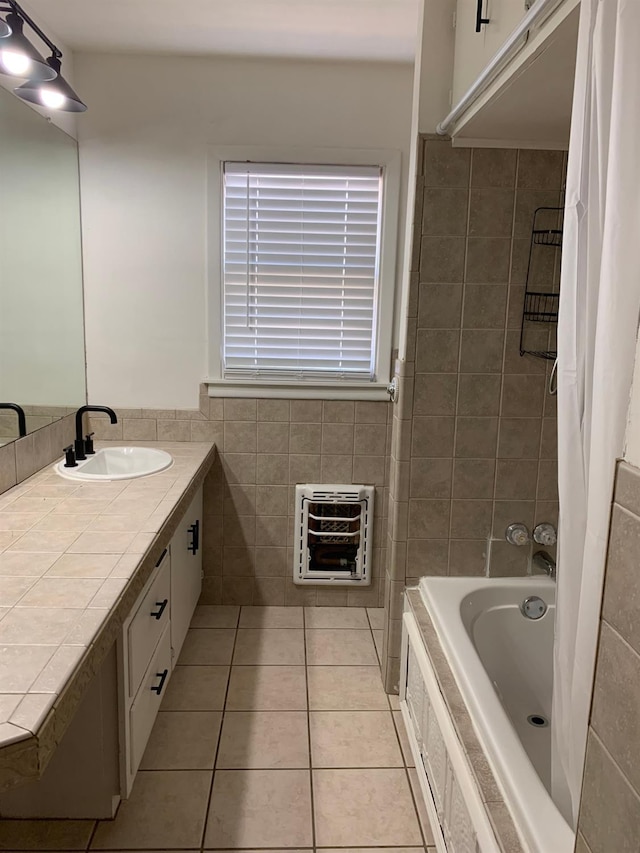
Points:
[(599, 305)]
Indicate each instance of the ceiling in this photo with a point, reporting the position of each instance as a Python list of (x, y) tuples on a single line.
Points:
[(382, 30), (533, 108)]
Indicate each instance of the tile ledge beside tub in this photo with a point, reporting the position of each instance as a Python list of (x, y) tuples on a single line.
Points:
[(493, 802), (32, 722)]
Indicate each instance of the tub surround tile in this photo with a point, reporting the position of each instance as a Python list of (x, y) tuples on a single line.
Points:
[(488, 788), (610, 808)]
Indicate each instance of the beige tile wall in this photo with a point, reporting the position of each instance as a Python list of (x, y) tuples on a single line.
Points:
[(21, 458), (36, 417), (610, 808), (265, 448), (473, 438)]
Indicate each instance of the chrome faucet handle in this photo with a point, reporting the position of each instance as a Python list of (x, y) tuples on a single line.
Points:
[(545, 534), (517, 534)]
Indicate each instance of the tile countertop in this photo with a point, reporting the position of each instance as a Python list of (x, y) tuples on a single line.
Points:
[(74, 557)]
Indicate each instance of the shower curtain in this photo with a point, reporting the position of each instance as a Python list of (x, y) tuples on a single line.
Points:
[(599, 305)]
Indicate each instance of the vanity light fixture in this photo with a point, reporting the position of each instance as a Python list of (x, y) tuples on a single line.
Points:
[(44, 84), (18, 57), (56, 94)]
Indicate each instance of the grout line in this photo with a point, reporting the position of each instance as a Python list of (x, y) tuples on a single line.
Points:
[(215, 758), (306, 681)]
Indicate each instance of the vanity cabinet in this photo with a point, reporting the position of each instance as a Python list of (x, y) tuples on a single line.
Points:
[(474, 50), (153, 635), (186, 572)]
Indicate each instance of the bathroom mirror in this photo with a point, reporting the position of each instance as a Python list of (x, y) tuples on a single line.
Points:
[(42, 363)]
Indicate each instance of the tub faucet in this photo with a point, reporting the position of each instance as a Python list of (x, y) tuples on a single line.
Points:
[(545, 562), (22, 421), (80, 446)]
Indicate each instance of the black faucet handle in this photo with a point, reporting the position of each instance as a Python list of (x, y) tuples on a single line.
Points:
[(79, 448), (88, 444), (69, 457)]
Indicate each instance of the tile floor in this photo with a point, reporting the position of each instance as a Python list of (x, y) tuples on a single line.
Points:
[(275, 733)]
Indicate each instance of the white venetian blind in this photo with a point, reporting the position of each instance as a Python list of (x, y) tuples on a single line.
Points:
[(300, 269)]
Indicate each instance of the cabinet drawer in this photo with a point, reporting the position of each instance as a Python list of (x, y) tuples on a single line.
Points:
[(150, 620), (147, 702)]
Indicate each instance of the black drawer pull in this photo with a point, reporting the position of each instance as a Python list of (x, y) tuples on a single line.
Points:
[(194, 530), (162, 556), (479, 19), (163, 677), (161, 605)]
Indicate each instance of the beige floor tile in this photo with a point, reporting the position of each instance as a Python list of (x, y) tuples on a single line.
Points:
[(207, 646), (260, 808), (268, 740), (165, 809), (346, 688), (378, 639), (376, 618), (267, 688), (215, 616), (196, 688), (335, 617), (354, 739), (271, 850), (269, 646), (183, 740), (45, 834), (271, 617), (340, 647), (404, 740), (364, 808), (374, 850), (423, 815)]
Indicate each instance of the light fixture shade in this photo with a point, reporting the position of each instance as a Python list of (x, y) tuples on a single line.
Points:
[(19, 58), (5, 29), (56, 94)]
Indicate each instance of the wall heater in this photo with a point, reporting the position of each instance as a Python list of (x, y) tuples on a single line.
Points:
[(333, 534)]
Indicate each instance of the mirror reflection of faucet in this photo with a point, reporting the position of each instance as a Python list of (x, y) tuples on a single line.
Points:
[(22, 421)]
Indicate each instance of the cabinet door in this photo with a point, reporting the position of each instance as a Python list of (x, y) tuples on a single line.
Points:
[(147, 702), (186, 572)]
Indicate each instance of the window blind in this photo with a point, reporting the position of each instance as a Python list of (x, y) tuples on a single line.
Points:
[(300, 270)]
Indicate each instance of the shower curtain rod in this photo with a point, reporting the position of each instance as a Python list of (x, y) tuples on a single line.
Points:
[(535, 14)]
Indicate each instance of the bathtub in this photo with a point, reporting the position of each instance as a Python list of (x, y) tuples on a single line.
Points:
[(503, 664)]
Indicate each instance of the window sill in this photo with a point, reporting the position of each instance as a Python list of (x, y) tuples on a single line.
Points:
[(270, 389)]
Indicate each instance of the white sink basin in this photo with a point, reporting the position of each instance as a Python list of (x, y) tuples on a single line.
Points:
[(118, 463)]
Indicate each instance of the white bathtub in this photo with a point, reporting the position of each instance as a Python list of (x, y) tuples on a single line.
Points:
[(503, 663)]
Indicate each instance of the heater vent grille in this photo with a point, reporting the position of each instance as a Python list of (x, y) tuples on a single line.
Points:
[(333, 534)]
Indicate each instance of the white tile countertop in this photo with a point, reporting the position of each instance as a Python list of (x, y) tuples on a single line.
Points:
[(74, 556)]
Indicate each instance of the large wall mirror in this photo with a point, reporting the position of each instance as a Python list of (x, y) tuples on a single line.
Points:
[(42, 356)]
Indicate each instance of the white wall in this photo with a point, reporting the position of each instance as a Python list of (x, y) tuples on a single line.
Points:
[(632, 438), (143, 146), (436, 66)]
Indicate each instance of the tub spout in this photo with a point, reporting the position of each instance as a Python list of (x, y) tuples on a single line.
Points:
[(545, 562)]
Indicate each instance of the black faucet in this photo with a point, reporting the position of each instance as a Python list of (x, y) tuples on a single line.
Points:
[(79, 443), (22, 421)]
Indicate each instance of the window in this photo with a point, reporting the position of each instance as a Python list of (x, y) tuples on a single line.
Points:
[(300, 270), (307, 268)]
